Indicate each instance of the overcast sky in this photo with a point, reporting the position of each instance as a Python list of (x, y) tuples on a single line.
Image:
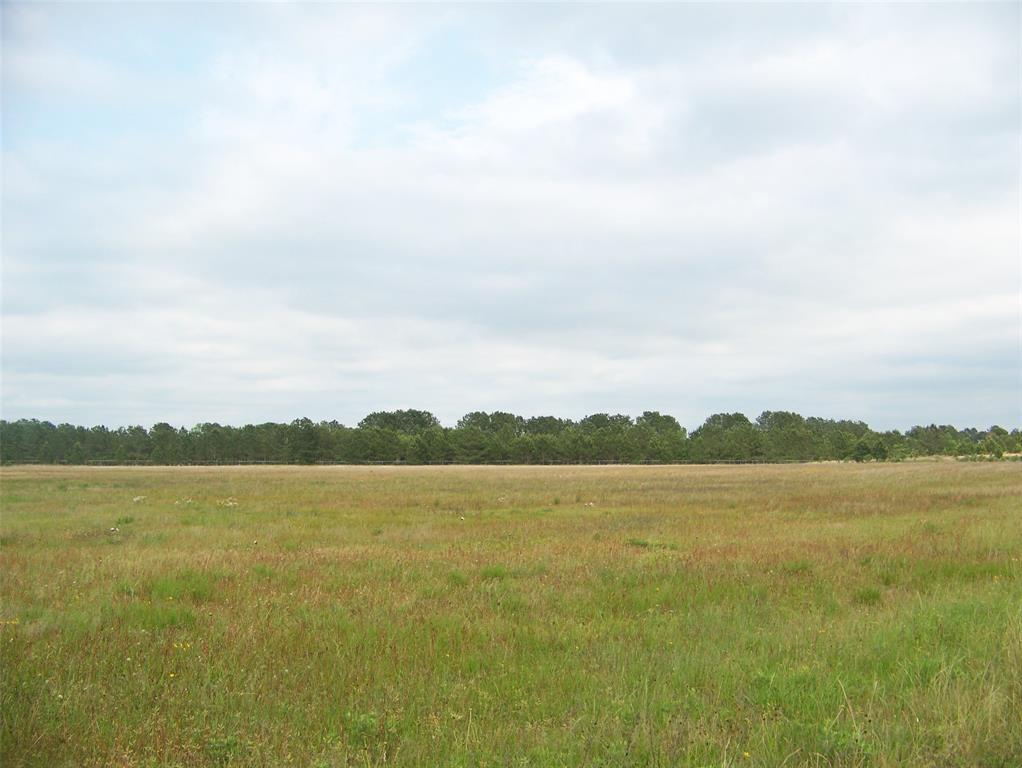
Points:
[(245, 212)]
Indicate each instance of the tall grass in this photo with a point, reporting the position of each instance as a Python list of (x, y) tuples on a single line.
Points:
[(821, 615)]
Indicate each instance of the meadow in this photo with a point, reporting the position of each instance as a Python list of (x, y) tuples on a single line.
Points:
[(807, 615)]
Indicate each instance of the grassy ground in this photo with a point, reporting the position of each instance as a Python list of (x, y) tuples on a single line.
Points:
[(812, 615)]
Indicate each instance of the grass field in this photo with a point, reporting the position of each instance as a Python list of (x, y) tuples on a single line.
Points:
[(816, 615)]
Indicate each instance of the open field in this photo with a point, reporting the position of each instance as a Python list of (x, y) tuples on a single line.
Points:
[(817, 615)]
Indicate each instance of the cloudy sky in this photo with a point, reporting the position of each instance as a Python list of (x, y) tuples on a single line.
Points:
[(247, 212)]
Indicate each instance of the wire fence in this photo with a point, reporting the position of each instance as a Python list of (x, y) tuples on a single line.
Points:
[(490, 463)]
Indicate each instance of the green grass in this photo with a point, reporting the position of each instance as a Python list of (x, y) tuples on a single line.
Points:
[(820, 615)]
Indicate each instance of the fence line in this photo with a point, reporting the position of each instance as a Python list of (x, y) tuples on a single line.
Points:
[(444, 462)]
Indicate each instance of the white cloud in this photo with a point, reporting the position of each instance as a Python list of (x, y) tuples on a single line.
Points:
[(753, 224)]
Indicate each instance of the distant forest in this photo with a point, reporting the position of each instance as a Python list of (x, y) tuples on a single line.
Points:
[(417, 437)]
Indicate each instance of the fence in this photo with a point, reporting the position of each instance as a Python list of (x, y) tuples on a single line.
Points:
[(405, 463), (492, 463)]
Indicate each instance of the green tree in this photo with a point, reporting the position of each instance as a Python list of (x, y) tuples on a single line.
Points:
[(862, 450), (165, 442), (992, 446), (408, 422), (302, 442), (658, 422), (546, 425), (879, 450), (727, 437)]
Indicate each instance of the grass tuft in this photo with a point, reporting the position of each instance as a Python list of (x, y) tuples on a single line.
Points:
[(186, 585), (493, 572), (866, 596)]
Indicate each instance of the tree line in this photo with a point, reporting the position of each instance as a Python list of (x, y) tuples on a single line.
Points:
[(417, 437)]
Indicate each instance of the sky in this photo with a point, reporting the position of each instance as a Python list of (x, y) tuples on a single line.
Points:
[(255, 212)]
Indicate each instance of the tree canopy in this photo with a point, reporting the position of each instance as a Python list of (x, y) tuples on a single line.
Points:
[(417, 437)]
